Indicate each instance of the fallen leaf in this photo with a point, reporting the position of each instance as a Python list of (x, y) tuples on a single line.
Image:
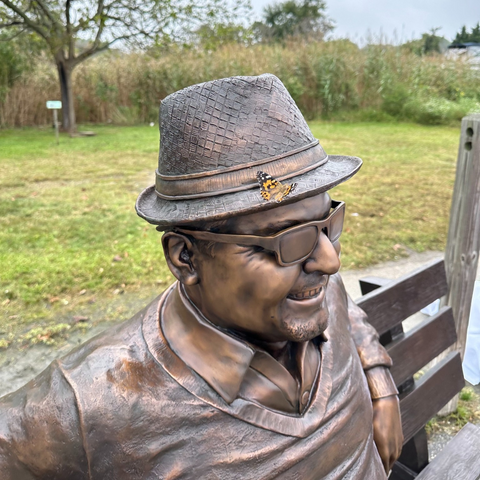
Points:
[(82, 292), (54, 299), (80, 318), (397, 246), (117, 258), (6, 302)]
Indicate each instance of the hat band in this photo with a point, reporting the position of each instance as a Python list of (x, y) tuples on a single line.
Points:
[(238, 178)]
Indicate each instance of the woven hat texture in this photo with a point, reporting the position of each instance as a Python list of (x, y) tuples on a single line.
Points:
[(246, 119), (215, 136)]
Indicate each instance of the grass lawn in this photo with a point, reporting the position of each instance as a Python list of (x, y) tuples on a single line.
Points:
[(69, 235)]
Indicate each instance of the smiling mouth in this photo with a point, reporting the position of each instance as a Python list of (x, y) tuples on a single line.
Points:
[(312, 293)]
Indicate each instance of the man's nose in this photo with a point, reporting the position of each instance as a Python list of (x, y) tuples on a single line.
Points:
[(324, 258)]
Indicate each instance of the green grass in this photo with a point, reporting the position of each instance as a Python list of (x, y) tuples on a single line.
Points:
[(403, 192), (467, 411), (69, 234)]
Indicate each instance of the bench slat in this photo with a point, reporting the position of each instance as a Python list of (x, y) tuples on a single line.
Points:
[(431, 393), (421, 345), (459, 460), (389, 305), (369, 284)]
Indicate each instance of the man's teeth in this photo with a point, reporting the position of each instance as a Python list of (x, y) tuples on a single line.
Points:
[(307, 294)]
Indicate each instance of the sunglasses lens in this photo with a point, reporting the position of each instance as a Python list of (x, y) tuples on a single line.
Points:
[(336, 225), (297, 244)]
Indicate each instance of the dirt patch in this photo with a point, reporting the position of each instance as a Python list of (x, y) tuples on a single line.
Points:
[(441, 430), (21, 363)]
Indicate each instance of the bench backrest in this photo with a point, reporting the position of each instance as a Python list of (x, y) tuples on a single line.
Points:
[(387, 306)]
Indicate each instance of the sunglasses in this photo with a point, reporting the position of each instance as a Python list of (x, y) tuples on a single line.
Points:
[(292, 245)]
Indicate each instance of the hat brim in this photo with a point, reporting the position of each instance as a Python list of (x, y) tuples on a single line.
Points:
[(169, 213)]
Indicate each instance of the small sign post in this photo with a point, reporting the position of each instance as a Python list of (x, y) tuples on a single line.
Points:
[(55, 105)]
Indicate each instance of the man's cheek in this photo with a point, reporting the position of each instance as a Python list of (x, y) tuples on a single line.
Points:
[(272, 283)]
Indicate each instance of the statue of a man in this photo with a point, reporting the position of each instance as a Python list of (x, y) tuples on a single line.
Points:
[(255, 364)]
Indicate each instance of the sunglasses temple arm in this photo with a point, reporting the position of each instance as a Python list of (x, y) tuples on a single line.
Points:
[(228, 238)]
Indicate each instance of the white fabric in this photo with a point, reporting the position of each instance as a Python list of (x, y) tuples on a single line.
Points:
[(432, 309), (471, 361)]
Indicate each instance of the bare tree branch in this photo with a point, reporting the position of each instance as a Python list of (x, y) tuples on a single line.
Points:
[(67, 15), (101, 25), (71, 41), (58, 26), (8, 39), (34, 26), (101, 6), (11, 24)]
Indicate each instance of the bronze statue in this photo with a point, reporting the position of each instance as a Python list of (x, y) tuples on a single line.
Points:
[(255, 364)]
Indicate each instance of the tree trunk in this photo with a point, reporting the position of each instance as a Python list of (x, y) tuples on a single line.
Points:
[(68, 108)]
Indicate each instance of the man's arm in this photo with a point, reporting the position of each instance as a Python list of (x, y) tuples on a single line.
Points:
[(376, 363), (40, 431)]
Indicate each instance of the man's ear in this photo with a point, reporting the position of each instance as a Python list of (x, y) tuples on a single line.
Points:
[(178, 254)]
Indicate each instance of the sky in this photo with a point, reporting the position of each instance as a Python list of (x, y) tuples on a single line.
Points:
[(397, 21)]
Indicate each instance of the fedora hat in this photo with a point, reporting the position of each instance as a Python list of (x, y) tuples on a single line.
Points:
[(215, 138)]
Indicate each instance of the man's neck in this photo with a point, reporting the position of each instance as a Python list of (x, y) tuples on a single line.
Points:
[(280, 351), (277, 350)]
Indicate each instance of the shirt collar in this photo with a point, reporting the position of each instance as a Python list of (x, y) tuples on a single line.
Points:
[(218, 357), (252, 412), (223, 359)]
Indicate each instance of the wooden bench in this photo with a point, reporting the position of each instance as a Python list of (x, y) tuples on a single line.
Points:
[(388, 303), (459, 460)]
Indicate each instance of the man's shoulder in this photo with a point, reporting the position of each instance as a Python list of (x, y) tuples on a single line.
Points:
[(337, 287), (115, 375), (92, 389), (337, 279)]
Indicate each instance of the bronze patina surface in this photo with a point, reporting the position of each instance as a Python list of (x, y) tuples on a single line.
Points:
[(217, 135), (255, 364)]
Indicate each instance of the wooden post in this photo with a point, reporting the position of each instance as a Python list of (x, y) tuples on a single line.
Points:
[(463, 242), (54, 105), (55, 121)]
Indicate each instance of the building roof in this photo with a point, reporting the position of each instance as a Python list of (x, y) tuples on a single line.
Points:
[(464, 45)]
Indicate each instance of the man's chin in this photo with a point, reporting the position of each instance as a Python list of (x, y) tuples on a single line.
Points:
[(302, 330)]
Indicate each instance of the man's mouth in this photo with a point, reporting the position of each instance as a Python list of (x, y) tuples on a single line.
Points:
[(311, 293)]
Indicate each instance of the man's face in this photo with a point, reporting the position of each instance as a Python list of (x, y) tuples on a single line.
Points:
[(243, 288)]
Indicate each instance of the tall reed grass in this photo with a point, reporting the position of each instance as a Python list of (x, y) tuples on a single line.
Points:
[(326, 79)]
